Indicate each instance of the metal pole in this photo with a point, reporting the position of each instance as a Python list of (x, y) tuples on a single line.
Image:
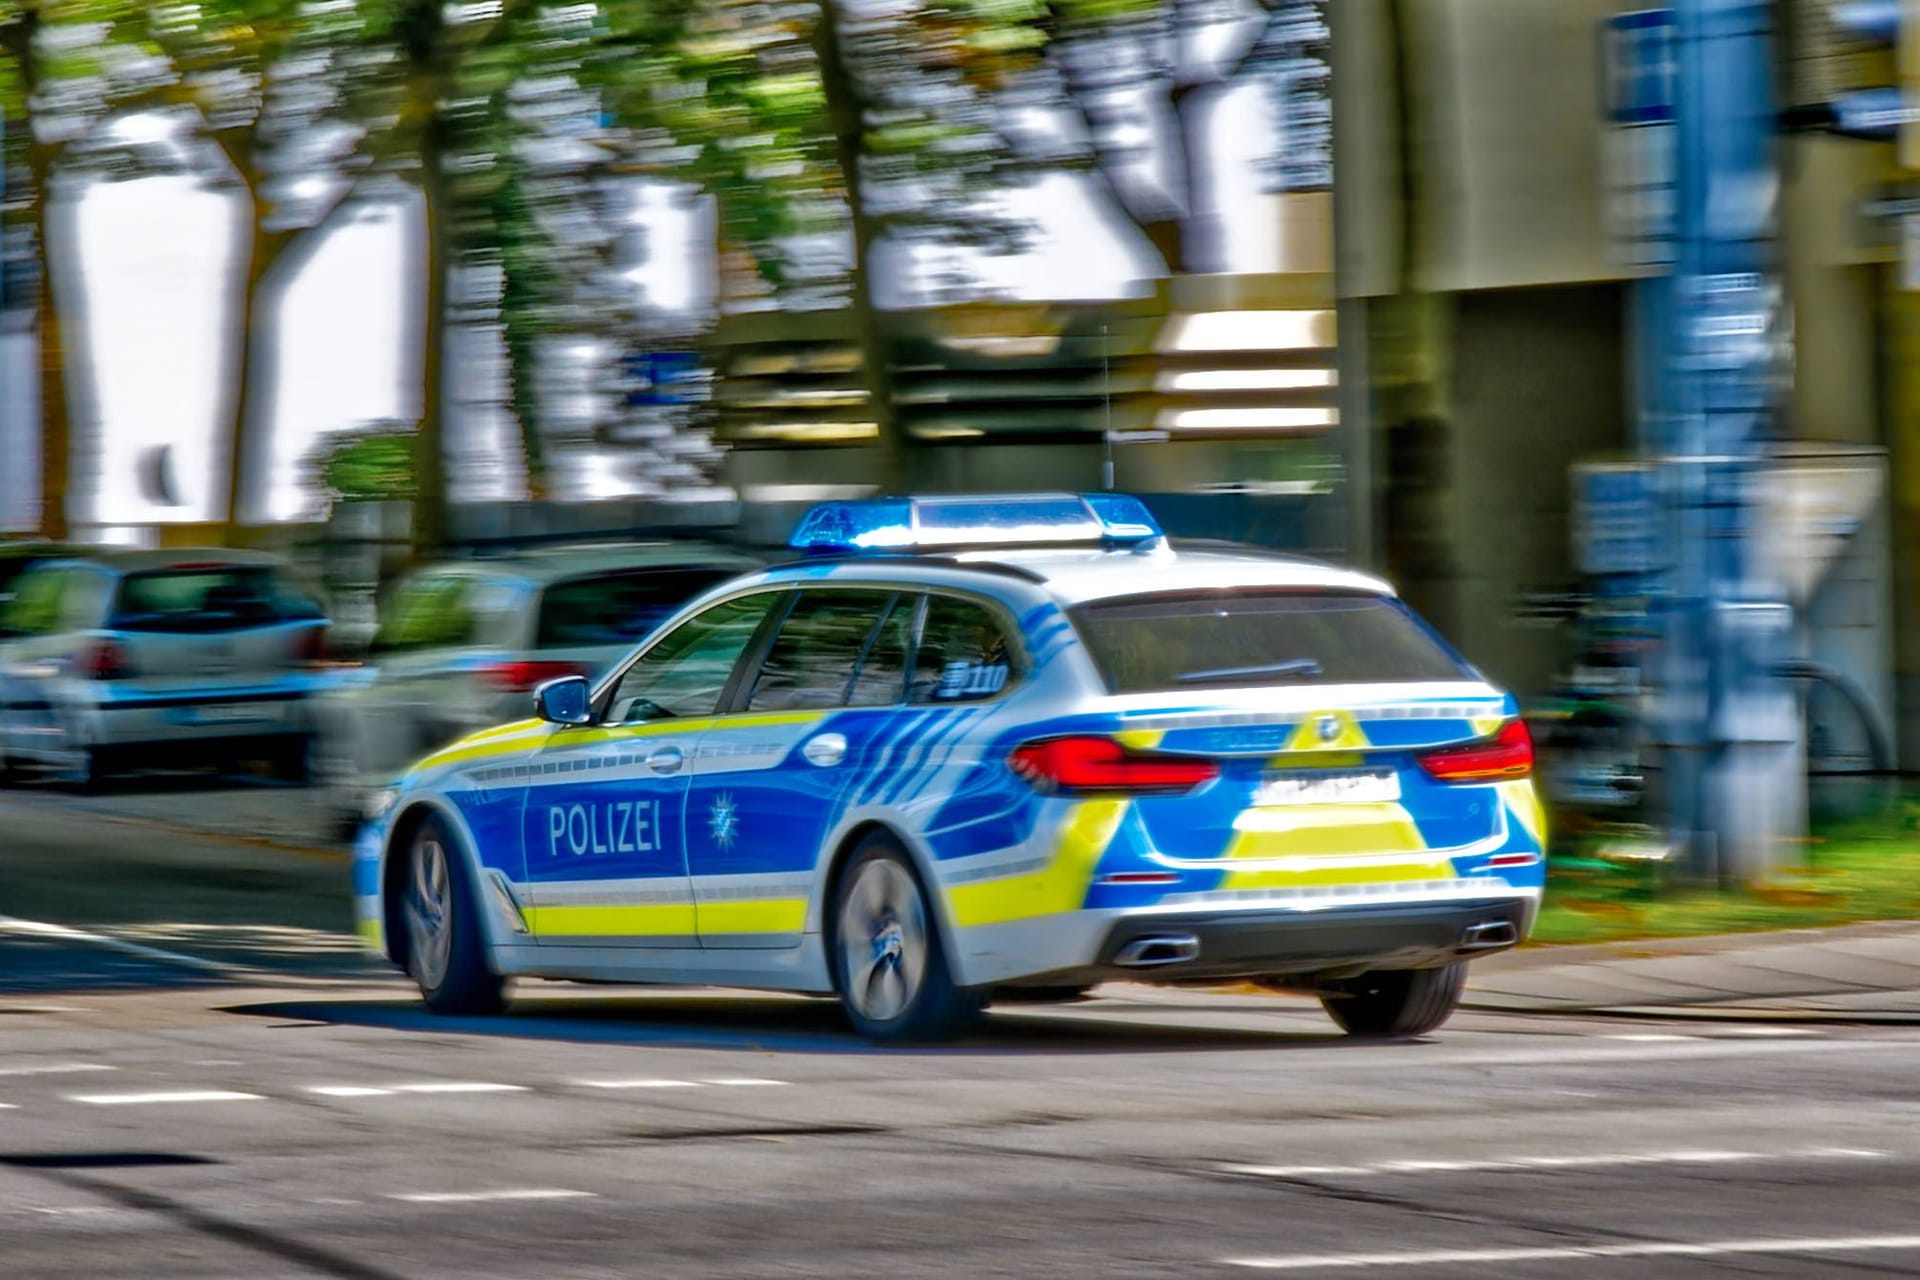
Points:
[(1735, 787)]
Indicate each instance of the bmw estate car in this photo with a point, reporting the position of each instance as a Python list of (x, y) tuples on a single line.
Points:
[(969, 749)]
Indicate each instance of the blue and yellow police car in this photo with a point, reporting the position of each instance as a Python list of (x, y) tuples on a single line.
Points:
[(966, 749)]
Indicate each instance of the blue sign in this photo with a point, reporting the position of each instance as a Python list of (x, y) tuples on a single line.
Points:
[(1641, 72), (1617, 520)]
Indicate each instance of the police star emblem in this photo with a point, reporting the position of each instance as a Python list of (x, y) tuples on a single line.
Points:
[(1329, 728), (723, 820)]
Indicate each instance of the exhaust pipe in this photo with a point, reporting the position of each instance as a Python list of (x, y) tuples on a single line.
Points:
[(1148, 953), (1493, 933)]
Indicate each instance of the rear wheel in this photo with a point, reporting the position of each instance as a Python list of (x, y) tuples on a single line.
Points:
[(446, 952), (1396, 1003), (889, 967)]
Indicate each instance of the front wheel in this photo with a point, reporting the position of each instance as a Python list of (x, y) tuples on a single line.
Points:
[(889, 967), (1396, 1003), (446, 952)]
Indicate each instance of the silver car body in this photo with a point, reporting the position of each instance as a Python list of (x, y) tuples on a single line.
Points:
[(463, 643), (117, 651)]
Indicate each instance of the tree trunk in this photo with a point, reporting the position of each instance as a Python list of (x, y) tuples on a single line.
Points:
[(55, 410), (263, 251), (430, 476), (844, 108)]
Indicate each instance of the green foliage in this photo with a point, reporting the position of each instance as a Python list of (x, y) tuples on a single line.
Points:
[(377, 463)]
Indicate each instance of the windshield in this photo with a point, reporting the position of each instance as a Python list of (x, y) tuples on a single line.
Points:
[(212, 599), (1161, 643), (617, 608)]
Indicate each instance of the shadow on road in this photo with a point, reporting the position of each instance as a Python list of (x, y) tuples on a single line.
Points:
[(789, 1025)]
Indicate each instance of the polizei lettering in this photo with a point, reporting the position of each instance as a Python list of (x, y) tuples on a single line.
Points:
[(625, 826)]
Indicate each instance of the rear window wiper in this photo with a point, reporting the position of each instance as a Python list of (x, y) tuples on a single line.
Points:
[(1291, 667)]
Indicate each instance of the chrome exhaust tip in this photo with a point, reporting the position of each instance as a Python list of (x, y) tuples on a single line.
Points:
[(1493, 933), (1147, 953)]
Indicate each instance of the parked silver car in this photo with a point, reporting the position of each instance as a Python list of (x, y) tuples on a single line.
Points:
[(462, 645), (109, 658)]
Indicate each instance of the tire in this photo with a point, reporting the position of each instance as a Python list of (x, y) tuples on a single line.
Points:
[(446, 951), (889, 967), (1396, 1003)]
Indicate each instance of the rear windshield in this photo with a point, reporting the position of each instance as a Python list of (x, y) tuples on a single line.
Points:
[(618, 608), (1161, 643), (204, 600)]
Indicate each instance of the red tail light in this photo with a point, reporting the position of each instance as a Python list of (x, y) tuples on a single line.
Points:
[(312, 646), (1508, 754), (1102, 764), (105, 661), (525, 677)]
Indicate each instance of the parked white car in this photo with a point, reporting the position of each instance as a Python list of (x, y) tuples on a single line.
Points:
[(463, 644), (111, 659)]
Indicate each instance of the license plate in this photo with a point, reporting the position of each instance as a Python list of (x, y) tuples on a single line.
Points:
[(221, 714), (1381, 787)]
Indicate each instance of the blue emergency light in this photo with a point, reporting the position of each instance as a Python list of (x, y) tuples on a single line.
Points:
[(952, 523)]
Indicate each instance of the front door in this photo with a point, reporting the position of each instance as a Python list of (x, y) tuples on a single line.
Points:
[(606, 803), (772, 777)]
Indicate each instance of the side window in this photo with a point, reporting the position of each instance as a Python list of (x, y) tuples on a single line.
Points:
[(964, 653), (83, 602), (882, 678), (429, 613), (34, 609), (687, 671), (812, 659)]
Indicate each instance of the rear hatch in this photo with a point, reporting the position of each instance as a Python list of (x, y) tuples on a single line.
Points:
[(217, 627), (1305, 738)]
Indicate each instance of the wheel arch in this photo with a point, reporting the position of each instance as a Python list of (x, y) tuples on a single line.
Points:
[(393, 868), (849, 840)]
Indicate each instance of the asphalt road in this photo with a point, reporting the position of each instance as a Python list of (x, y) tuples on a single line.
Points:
[(304, 1118)]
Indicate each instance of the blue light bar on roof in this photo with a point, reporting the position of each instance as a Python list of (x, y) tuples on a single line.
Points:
[(1013, 520)]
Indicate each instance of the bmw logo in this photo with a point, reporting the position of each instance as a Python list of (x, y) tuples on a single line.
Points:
[(1329, 728)]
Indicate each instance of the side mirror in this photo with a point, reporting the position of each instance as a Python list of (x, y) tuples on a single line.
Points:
[(568, 700)]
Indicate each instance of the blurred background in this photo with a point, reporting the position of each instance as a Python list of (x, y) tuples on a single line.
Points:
[(1588, 324)]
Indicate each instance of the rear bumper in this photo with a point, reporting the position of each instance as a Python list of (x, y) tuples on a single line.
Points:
[(187, 717), (1298, 946)]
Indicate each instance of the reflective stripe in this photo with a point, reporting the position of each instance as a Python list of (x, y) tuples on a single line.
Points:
[(1333, 844), (1059, 886), (675, 919), (772, 915)]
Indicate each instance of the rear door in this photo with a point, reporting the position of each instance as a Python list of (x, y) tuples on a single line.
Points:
[(771, 776), (1325, 713), (213, 626)]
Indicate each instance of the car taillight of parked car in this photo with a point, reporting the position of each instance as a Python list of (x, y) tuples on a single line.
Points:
[(105, 661), (525, 677), (312, 647)]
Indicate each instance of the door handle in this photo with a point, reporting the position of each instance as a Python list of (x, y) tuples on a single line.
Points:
[(826, 750), (665, 760)]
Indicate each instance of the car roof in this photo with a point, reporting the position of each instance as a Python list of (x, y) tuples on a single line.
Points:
[(552, 564), (123, 561), (1076, 576)]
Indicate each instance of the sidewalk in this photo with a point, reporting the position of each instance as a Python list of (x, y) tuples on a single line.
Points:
[(1861, 972)]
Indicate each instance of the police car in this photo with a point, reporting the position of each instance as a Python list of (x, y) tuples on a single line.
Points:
[(967, 749)]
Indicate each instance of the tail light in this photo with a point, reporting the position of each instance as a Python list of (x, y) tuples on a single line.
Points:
[(312, 646), (1102, 764), (525, 677), (105, 661), (1507, 754)]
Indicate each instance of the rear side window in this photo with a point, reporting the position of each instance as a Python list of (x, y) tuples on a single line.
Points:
[(204, 600), (429, 613), (819, 645), (619, 608), (1155, 644), (34, 606), (964, 653)]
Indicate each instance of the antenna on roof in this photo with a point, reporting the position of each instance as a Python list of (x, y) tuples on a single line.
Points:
[(1106, 393)]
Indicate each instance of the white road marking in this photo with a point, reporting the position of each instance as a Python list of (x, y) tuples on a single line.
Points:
[(477, 1197), (56, 1069), (349, 1091), (459, 1086), (1650, 1249), (1653, 1038), (1766, 1031), (639, 1084), (1517, 1164), (745, 1082), (9, 1106), (184, 1095)]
